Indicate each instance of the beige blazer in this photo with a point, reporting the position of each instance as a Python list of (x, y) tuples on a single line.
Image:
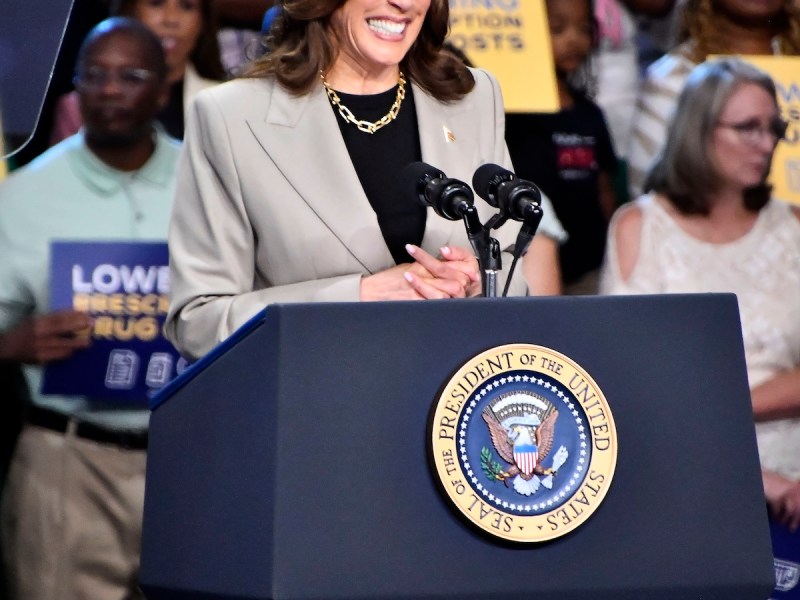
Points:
[(269, 207)]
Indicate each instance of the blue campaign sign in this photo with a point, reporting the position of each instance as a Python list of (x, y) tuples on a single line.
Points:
[(124, 286), (786, 556)]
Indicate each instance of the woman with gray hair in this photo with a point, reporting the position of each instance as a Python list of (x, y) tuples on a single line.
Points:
[(709, 224)]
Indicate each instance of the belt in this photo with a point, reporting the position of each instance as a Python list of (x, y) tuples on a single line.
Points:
[(56, 421)]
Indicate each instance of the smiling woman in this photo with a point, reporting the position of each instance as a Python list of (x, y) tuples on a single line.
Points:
[(340, 35), (372, 43), (288, 184)]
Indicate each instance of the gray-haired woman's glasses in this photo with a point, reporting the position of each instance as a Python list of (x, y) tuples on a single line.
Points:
[(752, 131)]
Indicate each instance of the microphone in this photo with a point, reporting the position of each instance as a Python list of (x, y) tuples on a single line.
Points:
[(516, 198), (450, 198), (453, 200)]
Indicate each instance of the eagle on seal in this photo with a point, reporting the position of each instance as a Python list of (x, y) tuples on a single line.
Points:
[(514, 444)]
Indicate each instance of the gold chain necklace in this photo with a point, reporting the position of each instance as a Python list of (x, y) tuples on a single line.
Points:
[(367, 126)]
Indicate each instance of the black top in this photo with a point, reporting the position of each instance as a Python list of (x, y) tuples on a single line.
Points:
[(563, 153), (171, 116), (378, 158)]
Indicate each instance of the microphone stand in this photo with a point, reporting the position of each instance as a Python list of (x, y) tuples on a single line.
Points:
[(532, 216), (490, 269), (486, 248)]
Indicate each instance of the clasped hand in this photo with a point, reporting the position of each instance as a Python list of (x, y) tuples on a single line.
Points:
[(453, 274)]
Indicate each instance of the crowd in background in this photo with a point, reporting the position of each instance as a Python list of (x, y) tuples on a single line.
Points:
[(608, 161)]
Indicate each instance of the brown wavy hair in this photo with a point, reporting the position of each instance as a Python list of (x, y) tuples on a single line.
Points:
[(205, 56), (302, 44), (698, 25)]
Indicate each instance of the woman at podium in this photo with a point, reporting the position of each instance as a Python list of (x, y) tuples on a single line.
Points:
[(287, 186), (709, 223)]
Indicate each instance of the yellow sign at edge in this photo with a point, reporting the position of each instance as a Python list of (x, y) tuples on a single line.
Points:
[(509, 38), (785, 174)]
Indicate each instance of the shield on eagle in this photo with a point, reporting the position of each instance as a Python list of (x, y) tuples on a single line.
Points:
[(526, 453)]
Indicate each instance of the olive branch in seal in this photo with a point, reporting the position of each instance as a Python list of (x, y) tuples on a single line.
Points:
[(492, 468)]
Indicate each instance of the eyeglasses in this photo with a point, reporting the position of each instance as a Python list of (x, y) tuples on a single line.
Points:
[(752, 131), (129, 80)]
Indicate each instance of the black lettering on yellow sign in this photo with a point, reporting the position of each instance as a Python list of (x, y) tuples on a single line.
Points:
[(506, 5), (482, 42), (492, 21)]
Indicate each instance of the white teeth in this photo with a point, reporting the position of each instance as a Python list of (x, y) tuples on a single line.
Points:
[(386, 26)]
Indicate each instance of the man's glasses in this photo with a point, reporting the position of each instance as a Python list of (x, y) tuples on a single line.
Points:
[(752, 131), (129, 80)]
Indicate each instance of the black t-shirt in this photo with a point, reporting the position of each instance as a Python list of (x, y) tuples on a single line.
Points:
[(378, 158), (563, 153)]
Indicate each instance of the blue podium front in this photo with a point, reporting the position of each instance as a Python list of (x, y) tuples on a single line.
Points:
[(293, 461)]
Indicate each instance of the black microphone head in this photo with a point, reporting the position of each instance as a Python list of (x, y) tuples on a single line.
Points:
[(451, 198), (414, 178), (486, 180)]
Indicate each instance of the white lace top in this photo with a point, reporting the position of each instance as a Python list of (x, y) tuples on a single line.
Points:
[(762, 268)]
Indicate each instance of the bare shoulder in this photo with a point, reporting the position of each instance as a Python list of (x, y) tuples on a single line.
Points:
[(628, 221), (627, 231)]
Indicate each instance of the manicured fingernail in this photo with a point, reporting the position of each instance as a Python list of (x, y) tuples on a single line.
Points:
[(445, 250), (408, 277), (410, 248)]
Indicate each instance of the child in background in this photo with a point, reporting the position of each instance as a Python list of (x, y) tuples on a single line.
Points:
[(568, 154)]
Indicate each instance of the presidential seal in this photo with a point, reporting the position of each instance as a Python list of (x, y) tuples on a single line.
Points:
[(523, 443)]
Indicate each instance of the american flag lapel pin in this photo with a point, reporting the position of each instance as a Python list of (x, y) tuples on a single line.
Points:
[(449, 136)]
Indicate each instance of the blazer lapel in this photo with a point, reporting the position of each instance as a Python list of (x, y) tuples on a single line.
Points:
[(302, 137), (441, 148)]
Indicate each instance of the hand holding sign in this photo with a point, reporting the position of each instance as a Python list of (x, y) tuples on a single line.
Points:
[(45, 338), (786, 508), (783, 498), (118, 292)]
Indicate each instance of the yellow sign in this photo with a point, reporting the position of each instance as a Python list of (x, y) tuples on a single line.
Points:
[(785, 174), (509, 38), (523, 443)]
